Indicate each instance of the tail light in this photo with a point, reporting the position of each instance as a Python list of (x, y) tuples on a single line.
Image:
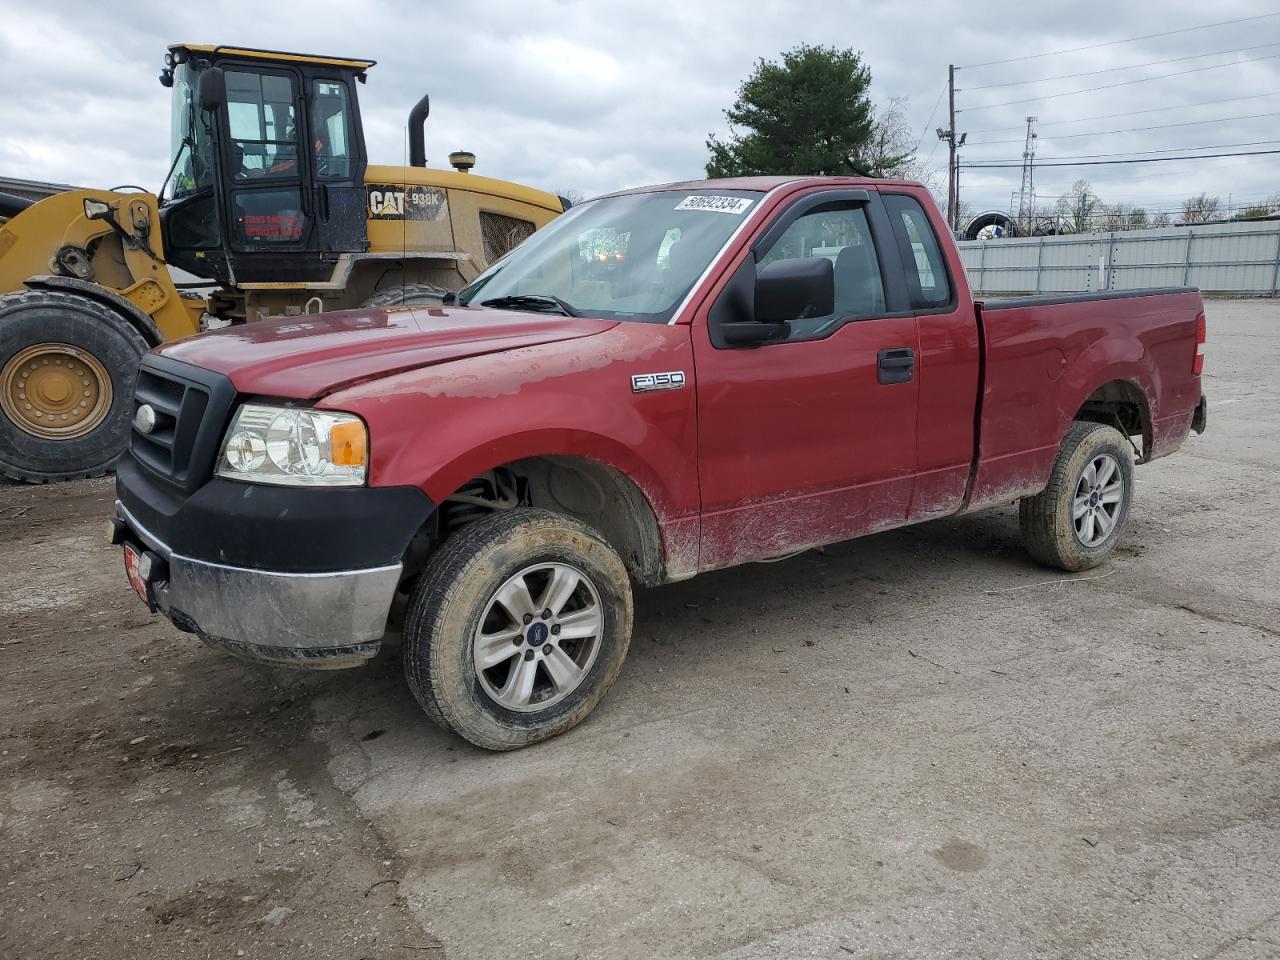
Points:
[(1197, 364)]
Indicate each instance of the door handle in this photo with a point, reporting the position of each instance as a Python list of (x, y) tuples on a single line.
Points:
[(895, 365)]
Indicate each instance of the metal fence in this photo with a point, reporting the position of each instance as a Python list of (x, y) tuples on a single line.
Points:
[(1240, 258)]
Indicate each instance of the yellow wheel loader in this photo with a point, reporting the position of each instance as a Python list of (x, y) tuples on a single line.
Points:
[(273, 208)]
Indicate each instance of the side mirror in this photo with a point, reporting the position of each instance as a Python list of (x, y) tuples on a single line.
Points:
[(793, 289), (212, 90), (760, 308)]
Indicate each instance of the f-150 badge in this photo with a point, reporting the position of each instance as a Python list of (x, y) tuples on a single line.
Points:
[(644, 382)]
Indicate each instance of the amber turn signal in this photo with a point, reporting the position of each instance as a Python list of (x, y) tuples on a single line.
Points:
[(348, 446)]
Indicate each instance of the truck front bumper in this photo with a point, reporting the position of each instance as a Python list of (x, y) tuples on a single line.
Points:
[(325, 620)]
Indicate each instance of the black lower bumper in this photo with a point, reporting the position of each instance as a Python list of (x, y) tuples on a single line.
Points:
[(275, 528), (272, 574)]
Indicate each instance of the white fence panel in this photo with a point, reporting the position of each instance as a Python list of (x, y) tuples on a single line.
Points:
[(1239, 258)]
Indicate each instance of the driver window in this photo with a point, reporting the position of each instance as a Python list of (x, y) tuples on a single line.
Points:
[(264, 134), (839, 232), (331, 129)]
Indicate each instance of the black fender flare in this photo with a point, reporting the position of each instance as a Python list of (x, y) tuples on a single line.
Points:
[(108, 298)]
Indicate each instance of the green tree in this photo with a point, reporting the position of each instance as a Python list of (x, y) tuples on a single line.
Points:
[(805, 115)]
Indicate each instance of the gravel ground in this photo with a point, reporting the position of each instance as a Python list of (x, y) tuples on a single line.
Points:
[(914, 745)]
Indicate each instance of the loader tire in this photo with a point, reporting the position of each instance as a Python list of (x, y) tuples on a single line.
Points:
[(517, 628), (408, 294), (1077, 520), (67, 371)]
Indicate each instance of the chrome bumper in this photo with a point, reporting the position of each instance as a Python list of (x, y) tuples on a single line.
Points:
[(319, 620)]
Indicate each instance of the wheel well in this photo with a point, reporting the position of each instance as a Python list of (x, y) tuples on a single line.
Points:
[(595, 493), (1123, 405), (374, 275)]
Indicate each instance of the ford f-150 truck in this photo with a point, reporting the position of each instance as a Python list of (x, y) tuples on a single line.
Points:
[(661, 382)]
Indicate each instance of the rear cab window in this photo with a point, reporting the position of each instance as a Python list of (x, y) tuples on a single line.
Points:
[(928, 285)]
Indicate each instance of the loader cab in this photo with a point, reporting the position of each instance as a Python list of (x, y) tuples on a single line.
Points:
[(269, 159)]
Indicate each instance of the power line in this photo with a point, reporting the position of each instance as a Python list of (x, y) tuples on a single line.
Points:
[(1106, 163), (1135, 66), (1134, 113), (1168, 205), (920, 139), (1139, 153), (1122, 83), (1105, 133), (1112, 43), (932, 152)]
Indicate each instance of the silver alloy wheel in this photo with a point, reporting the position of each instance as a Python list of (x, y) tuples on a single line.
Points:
[(1098, 499), (538, 637)]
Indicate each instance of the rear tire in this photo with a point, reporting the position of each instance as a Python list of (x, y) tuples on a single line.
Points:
[(566, 631), (67, 370), (409, 294), (1078, 519)]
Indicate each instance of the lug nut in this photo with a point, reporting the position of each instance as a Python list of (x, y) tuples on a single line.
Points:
[(547, 650), (555, 629), (546, 614), (528, 654), (528, 618), (517, 640)]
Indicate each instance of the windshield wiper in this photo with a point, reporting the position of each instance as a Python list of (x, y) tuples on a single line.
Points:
[(533, 301)]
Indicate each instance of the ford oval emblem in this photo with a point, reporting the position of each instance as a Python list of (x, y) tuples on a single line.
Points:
[(144, 421)]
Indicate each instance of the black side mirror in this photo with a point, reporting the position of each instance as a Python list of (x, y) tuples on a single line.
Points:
[(793, 289), (212, 90), (783, 291)]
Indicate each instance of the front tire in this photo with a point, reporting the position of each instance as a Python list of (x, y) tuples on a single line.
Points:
[(67, 371), (517, 628), (409, 294), (1077, 520)]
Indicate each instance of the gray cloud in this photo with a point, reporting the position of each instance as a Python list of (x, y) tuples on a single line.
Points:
[(593, 96)]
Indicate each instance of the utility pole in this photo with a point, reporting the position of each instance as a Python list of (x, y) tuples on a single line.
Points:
[(949, 135)]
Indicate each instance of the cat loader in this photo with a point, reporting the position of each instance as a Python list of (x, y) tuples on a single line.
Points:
[(270, 208)]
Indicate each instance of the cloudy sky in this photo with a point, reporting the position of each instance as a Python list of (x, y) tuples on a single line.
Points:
[(596, 96)]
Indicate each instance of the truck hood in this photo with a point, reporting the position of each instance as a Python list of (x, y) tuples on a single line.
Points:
[(310, 356)]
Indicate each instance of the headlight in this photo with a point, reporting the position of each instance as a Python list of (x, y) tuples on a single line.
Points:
[(295, 446)]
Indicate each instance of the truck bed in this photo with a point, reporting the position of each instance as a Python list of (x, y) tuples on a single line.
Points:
[(1043, 359)]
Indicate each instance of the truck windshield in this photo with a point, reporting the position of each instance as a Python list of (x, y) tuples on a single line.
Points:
[(191, 149), (630, 257)]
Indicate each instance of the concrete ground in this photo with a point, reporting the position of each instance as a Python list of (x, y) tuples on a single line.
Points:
[(915, 745)]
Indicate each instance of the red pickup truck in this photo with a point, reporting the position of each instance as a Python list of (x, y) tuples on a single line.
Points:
[(661, 382)]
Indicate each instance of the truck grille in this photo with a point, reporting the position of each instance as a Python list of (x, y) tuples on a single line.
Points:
[(191, 407)]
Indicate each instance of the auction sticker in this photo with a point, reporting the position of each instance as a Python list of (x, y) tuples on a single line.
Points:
[(701, 201)]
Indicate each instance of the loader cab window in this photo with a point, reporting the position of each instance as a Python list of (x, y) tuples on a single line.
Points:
[(190, 213), (262, 125), (332, 148), (261, 154), (191, 140)]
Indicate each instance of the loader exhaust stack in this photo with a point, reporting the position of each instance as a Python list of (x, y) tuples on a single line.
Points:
[(417, 132)]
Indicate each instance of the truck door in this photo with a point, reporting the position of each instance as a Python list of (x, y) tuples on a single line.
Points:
[(811, 439), (948, 362)]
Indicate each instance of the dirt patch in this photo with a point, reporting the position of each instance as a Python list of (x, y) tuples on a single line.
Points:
[(961, 855), (156, 798)]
